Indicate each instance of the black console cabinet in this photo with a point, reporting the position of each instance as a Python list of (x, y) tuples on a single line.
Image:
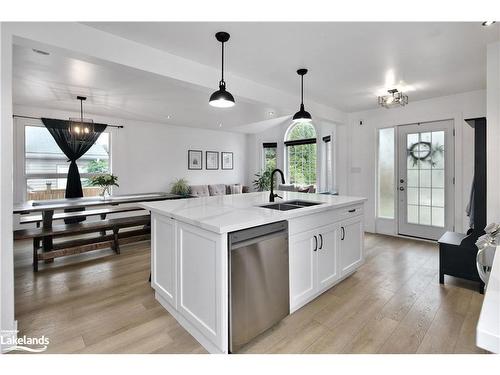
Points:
[(457, 251)]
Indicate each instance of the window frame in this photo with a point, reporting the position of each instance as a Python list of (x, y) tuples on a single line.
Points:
[(377, 174), (25, 177), (300, 142), (266, 145)]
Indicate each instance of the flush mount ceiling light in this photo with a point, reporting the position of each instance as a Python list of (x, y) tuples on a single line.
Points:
[(302, 115), (393, 99), (222, 98), (79, 127), (488, 23)]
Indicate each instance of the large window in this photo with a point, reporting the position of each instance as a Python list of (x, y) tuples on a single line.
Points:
[(386, 165), (46, 166), (269, 156), (301, 154)]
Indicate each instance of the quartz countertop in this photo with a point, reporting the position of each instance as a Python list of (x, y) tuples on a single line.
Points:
[(227, 213), (488, 326)]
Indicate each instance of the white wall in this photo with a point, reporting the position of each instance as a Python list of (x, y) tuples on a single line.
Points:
[(148, 157), (493, 133), (6, 256), (360, 169)]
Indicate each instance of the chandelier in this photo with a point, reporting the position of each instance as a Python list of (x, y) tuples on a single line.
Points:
[(393, 99), (80, 127)]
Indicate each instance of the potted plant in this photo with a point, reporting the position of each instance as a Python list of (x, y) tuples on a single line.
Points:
[(262, 181), (105, 181), (180, 187)]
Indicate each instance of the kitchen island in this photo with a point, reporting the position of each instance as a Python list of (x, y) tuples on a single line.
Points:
[(190, 266)]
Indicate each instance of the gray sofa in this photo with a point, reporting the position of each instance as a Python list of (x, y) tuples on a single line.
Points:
[(217, 189), (300, 189)]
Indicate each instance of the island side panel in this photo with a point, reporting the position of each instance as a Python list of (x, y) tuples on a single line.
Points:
[(164, 258), (196, 297)]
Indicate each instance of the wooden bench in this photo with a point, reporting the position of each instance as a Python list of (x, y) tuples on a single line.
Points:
[(82, 245), (102, 212)]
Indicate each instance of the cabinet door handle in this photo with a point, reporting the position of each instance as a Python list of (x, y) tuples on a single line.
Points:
[(353, 210), (315, 243), (321, 243), (343, 233)]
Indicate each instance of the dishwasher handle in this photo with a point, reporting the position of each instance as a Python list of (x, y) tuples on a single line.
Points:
[(257, 232), (255, 240)]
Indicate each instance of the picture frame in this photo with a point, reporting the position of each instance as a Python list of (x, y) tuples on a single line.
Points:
[(227, 160), (211, 160), (195, 159)]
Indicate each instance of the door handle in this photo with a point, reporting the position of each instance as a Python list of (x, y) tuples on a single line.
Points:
[(321, 243), (315, 243), (343, 233), (401, 188), (353, 210)]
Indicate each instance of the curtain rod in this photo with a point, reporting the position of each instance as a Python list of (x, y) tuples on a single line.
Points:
[(39, 118)]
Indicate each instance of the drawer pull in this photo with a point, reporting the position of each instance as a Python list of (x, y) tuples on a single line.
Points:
[(353, 210)]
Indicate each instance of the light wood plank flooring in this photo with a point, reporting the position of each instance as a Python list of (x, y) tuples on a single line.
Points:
[(102, 303)]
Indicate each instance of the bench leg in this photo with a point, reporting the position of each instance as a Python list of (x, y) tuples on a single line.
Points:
[(115, 240), (481, 287), (36, 245), (441, 277), (103, 217)]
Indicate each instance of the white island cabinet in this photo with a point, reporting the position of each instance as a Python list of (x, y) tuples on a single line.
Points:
[(189, 259)]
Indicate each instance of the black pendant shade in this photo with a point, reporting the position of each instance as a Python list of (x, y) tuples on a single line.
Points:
[(302, 115), (222, 98)]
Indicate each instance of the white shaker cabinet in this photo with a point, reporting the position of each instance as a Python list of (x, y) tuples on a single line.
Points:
[(351, 245), (327, 256), (302, 258), (313, 263), (321, 257)]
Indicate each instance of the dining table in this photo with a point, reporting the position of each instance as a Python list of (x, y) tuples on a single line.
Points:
[(47, 207)]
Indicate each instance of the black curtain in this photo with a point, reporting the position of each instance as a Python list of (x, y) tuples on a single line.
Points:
[(74, 147)]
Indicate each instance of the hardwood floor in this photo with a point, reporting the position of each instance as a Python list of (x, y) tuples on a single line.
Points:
[(102, 303)]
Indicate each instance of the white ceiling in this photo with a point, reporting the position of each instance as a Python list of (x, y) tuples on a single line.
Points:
[(113, 90), (349, 62)]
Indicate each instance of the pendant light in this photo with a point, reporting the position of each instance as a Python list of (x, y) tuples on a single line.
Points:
[(222, 98), (302, 115), (79, 126)]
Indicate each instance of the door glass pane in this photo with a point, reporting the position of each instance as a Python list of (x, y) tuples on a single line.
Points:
[(425, 215), (412, 214), (412, 177), (425, 175), (413, 196), (425, 197), (438, 216), (425, 178)]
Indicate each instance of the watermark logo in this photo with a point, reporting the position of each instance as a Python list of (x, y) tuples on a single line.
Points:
[(11, 342)]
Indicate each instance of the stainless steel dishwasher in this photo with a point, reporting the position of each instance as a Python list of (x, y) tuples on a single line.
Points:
[(258, 281)]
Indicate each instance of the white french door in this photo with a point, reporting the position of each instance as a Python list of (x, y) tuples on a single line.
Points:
[(425, 179)]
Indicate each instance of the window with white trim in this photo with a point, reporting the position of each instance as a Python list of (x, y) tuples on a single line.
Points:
[(385, 174), (301, 154), (46, 166), (269, 154)]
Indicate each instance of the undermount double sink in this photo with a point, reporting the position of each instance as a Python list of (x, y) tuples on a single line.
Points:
[(290, 205)]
